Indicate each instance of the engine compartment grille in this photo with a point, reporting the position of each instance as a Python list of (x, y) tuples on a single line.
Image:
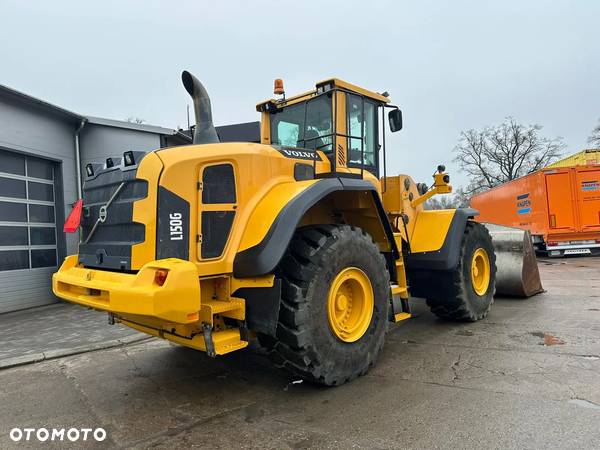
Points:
[(108, 231)]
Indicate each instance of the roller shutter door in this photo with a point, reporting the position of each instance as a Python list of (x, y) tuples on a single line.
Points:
[(28, 234)]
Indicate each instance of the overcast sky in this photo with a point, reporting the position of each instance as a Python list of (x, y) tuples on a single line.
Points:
[(450, 65)]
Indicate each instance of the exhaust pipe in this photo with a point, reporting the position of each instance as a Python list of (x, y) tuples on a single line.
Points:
[(205, 132)]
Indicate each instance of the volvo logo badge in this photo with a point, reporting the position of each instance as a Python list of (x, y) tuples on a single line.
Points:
[(102, 214)]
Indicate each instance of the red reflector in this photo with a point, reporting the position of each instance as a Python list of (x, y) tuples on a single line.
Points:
[(74, 219), (552, 244), (160, 276)]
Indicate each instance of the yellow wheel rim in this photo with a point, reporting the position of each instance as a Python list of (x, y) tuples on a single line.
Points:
[(480, 271), (350, 304)]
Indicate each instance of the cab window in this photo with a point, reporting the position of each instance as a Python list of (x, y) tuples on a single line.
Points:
[(319, 126), (363, 124), (288, 125)]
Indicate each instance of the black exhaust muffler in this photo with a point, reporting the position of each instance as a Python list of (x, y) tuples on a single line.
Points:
[(205, 132)]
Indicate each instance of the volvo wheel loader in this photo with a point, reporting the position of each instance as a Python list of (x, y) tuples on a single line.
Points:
[(301, 240)]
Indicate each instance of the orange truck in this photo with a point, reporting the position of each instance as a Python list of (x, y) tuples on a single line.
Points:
[(560, 206)]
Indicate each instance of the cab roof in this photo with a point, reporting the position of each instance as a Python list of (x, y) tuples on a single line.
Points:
[(326, 84)]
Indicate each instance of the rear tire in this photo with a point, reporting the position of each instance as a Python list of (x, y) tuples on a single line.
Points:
[(312, 341), (463, 295)]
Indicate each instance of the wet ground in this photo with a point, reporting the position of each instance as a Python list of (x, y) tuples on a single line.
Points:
[(59, 329), (528, 376)]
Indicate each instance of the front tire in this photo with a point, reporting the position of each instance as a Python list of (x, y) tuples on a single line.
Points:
[(467, 293), (334, 306)]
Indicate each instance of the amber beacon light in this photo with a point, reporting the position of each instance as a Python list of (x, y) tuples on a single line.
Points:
[(278, 87)]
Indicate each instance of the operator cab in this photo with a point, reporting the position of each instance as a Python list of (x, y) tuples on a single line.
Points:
[(338, 119)]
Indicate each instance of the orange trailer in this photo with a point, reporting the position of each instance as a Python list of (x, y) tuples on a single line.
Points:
[(559, 206)]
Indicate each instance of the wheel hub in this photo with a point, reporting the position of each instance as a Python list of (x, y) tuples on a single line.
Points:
[(480, 271), (350, 304)]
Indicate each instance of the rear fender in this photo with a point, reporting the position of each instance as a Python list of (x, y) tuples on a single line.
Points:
[(263, 257)]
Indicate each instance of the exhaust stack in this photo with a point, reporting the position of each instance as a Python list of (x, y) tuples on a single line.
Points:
[(205, 132)]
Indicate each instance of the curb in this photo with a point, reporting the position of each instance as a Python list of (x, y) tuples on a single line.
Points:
[(59, 353)]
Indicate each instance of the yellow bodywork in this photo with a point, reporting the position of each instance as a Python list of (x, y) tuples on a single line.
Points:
[(262, 173), (267, 210), (422, 230), (430, 230), (196, 305), (175, 311), (144, 211), (176, 301)]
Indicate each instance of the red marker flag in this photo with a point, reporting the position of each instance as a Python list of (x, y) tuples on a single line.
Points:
[(74, 219)]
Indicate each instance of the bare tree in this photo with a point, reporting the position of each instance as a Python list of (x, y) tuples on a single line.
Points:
[(497, 154), (458, 199), (594, 138), (441, 202)]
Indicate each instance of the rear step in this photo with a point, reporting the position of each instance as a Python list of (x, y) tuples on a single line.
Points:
[(224, 341), (213, 342)]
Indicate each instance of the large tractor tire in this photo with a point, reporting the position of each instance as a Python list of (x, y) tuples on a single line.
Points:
[(467, 293), (334, 307)]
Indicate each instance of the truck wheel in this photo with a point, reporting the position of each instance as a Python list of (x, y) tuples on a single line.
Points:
[(334, 305), (467, 293)]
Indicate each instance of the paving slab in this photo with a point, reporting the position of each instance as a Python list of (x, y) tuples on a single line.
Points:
[(46, 332)]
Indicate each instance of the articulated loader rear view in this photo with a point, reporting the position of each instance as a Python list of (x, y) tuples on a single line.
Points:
[(296, 240)]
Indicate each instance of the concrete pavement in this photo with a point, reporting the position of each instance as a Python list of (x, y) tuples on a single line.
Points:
[(57, 330), (528, 376)]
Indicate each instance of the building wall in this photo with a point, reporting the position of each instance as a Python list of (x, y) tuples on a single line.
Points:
[(30, 130), (98, 142)]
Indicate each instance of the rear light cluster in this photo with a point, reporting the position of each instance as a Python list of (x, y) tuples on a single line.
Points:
[(160, 276), (74, 220)]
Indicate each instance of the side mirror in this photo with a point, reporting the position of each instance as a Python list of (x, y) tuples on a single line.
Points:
[(395, 118)]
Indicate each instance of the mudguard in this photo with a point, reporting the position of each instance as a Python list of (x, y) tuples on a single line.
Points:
[(426, 270), (446, 257), (262, 258)]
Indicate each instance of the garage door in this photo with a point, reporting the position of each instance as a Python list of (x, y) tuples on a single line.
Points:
[(28, 249)]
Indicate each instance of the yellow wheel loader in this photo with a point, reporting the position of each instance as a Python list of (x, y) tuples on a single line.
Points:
[(301, 240)]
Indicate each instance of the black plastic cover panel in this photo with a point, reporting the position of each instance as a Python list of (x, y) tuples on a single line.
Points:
[(216, 226)]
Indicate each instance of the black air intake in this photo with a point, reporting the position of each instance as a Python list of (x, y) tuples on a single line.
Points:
[(205, 132)]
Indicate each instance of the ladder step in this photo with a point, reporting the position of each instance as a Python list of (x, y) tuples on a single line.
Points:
[(233, 308), (402, 316), (219, 306), (227, 341), (400, 306), (223, 342), (397, 290)]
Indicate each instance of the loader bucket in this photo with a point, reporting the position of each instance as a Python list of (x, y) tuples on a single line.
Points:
[(517, 271)]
